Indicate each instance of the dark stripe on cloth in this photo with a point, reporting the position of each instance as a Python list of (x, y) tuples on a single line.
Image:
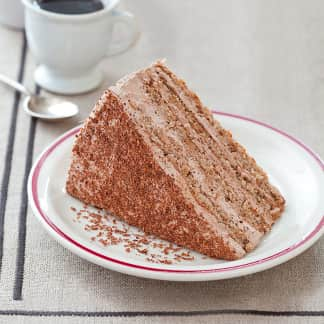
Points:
[(163, 313), (20, 261), (10, 148)]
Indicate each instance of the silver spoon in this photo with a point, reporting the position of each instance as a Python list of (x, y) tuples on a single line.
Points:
[(43, 107)]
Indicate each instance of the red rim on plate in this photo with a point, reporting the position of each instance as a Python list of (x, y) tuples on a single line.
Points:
[(34, 183)]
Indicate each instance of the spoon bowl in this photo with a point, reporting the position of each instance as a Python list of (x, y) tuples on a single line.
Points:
[(49, 108)]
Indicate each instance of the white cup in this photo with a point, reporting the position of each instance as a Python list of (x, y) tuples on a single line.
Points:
[(12, 13), (69, 48)]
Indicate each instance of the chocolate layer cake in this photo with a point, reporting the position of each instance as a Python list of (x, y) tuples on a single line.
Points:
[(153, 155)]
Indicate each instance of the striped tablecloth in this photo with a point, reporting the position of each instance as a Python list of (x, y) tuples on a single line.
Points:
[(263, 59)]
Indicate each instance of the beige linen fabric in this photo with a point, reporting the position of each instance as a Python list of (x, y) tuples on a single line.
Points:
[(263, 59)]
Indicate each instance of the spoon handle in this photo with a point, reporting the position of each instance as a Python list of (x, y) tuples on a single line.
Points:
[(16, 85)]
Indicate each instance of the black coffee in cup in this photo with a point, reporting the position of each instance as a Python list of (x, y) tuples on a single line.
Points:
[(70, 7)]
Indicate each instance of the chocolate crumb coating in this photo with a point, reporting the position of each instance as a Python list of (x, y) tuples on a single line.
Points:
[(153, 155)]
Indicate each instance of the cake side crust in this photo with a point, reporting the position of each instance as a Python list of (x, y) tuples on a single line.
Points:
[(113, 168)]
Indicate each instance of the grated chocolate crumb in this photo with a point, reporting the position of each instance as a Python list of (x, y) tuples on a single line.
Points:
[(108, 231)]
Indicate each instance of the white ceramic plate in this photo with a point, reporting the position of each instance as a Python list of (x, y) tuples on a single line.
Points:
[(292, 167)]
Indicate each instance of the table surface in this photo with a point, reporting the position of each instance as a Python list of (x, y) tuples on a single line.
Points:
[(262, 59)]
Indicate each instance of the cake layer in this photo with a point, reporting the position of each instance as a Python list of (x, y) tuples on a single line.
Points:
[(172, 145)]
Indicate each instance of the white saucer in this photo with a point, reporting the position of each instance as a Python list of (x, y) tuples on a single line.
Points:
[(294, 168)]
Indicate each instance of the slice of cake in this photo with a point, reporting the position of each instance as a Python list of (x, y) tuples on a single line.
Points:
[(153, 155)]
